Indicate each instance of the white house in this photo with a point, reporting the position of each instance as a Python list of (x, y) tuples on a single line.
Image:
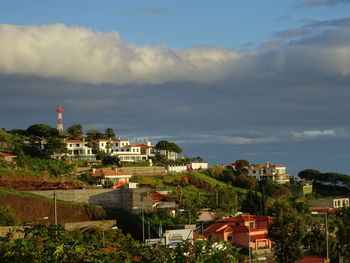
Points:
[(198, 165), (170, 155), (79, 150), (276, 173), (125, 151), (115, 176)]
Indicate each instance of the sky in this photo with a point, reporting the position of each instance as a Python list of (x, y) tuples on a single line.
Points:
[(225, 80)]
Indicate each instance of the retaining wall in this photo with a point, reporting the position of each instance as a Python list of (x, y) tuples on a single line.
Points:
[(123, 198)]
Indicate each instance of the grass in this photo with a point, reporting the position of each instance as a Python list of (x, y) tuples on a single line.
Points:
[(9, 191), (8, 171)]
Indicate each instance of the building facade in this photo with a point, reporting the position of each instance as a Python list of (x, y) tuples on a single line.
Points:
[(276, 173), (242, 230)]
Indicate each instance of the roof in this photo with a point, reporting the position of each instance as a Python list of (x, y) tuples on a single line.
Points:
[(266, 165), (75, 141), (228, 224), (7, 155), (108, 172), (142, 146), (112, 140), (312, 259)]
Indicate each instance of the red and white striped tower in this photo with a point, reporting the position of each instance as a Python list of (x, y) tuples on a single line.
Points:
[(59, 110)]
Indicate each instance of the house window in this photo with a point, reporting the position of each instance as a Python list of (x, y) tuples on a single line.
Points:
[(237, 224), (347, 202), (128, 150), (77, 145), (116, 144), (251, 224), (102, 144), (70, 145), (254, 171), (335, 203), (122, 150), (229, 238)]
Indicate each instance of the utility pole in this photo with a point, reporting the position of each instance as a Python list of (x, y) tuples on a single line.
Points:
[(55, 202), (250, 253), (143, 226), (327, 237)]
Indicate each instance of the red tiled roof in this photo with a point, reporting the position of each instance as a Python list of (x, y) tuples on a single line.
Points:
[(266, 165), (322, 209), (215, 227), (107, 140), (75, 141), (312, 259), (142, 146), (7, 155)]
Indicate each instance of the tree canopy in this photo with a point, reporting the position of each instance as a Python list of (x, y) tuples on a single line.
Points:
[(75, 131), (42, 130), (287, 231), (169, 146)]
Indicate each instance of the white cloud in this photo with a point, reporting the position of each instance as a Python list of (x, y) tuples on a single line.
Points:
[(314, 133), (81, 55)]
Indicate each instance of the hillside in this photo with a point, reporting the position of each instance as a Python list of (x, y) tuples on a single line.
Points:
[(30, 207)]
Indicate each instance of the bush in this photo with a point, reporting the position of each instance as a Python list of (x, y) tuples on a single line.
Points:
[(8, 216)]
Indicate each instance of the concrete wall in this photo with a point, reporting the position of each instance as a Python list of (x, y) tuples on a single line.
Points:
[(102, 224), (122, 198), (144, 171)]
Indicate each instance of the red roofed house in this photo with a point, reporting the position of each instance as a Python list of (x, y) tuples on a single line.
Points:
[(7, 157), (114, 175), (276, 173), (239, 229)]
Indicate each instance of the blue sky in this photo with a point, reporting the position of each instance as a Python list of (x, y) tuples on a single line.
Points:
[(260, 80)]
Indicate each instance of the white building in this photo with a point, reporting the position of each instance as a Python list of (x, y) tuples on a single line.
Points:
[(276, 173), (125, 151), (79, 150), (170, 155), (198, 165)]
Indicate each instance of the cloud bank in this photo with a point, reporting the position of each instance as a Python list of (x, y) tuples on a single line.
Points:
[(81, 55), (309, 3)]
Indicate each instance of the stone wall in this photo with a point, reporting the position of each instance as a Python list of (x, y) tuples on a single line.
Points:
[(145, 171), (123, 198)]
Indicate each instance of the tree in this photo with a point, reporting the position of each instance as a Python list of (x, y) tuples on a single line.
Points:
[(287, 231), (241, 167), (109, 133), (75, 131), (8, 216), (42, 131), (309, 174), (93, 134), (252, 203), (168, 146)]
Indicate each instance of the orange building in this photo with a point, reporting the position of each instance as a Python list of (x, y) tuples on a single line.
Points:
[(241, 229)]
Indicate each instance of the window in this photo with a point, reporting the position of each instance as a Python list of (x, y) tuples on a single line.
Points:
[(77, 145), (229, 238), (70, 145), (116, 144), (102, 144), (122, 150), (128, 150), (335, 203)]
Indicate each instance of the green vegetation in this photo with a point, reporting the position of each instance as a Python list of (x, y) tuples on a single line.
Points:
[(287, 230), (51, 243), (8, 216), (168, 146)]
